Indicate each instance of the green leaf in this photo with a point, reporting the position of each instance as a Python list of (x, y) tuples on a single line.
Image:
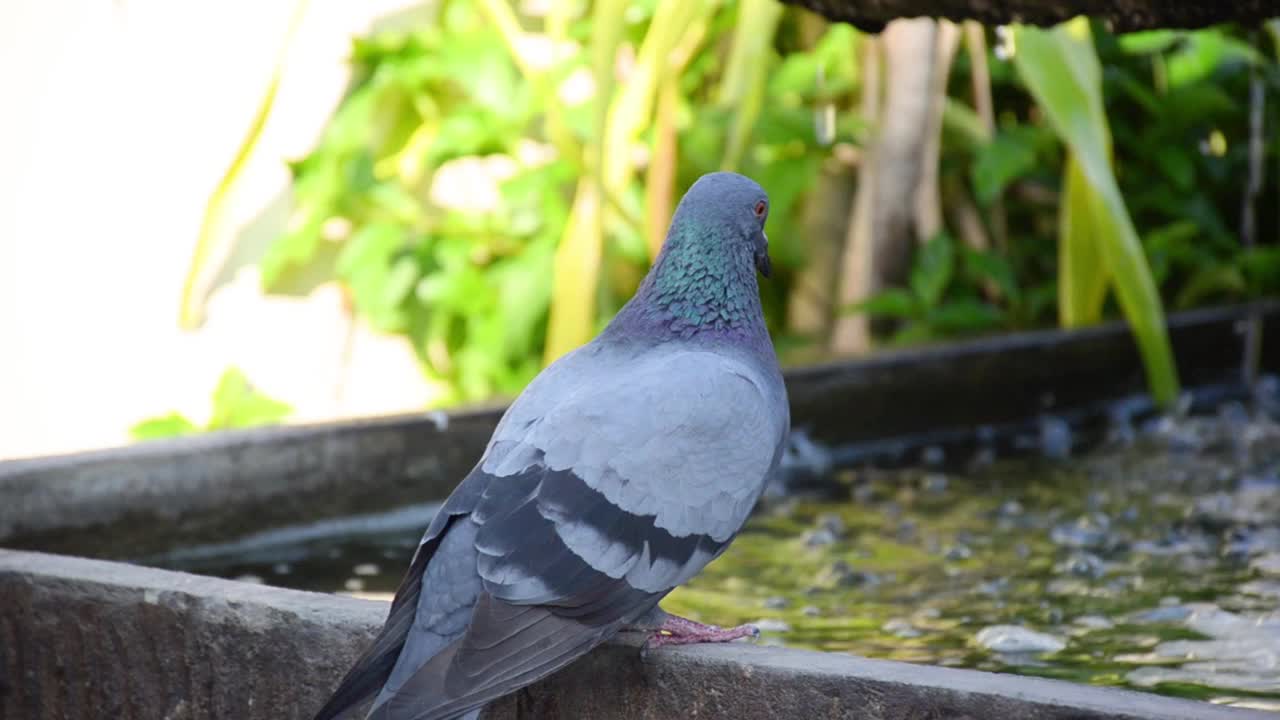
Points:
[(963, 128), (167, 426), (236, 404), (1203, 53), (1170, 245), (1061, 69), (1082, 284), (380, 277), (1262, 266), (490, 77), (912, 333), (524, 294), (1172, 237), (793, 81), (1040, 300), (933, 268), (893, 302), (1192, 104), (991, 267), (965, 315), (1149, 41), (1137, 91), (1210, 282), (1006, 158), (1179, 168)]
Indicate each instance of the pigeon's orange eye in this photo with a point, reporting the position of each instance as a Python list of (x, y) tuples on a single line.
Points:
[(760, 208)]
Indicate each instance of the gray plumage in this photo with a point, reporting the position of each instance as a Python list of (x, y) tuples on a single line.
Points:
[(618, 474)]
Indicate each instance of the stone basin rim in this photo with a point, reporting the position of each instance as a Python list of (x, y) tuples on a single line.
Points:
[(335, 628)]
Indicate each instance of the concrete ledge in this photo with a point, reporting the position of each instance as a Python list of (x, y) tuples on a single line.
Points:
[(135, 500), (91, 639)]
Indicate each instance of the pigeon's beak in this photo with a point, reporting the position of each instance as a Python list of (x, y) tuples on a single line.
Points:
[(763, 264)]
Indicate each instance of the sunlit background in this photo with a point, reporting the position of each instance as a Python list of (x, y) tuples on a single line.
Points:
[(222, 215), (120, 120)]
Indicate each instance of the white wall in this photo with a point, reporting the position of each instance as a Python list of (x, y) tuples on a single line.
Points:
[(116, 121)]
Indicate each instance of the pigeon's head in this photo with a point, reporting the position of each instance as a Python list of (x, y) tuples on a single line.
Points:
[(735, 203)]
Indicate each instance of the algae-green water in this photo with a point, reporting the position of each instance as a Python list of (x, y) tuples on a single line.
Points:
[(1152, 564)]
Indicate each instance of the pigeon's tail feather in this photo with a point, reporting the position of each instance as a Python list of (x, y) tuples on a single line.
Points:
[(506, 648), (373, 668)]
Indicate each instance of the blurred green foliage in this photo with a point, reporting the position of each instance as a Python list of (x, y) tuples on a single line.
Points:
[(236, 404), (947, 294), (470, 283), (1177, 105), (493, 184)]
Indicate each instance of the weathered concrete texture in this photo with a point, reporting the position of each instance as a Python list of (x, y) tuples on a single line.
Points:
[(136, 500), (88, 639), (91, 639), (1123, 15)]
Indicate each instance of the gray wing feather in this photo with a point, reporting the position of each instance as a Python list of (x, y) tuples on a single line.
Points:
[(444, 612), (687, 437), (375, 667), (506, 648)]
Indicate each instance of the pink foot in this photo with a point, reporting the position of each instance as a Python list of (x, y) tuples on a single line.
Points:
[(681, 631)]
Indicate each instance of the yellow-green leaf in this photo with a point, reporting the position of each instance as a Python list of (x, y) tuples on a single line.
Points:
[(1060, 67), (1082, 274)]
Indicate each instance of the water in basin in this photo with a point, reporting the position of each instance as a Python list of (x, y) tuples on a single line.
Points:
[(1152, 562)]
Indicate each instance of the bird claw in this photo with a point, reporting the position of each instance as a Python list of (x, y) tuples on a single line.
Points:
[(680, 631)]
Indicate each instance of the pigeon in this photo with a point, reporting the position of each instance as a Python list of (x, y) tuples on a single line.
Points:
[(622, 470)]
